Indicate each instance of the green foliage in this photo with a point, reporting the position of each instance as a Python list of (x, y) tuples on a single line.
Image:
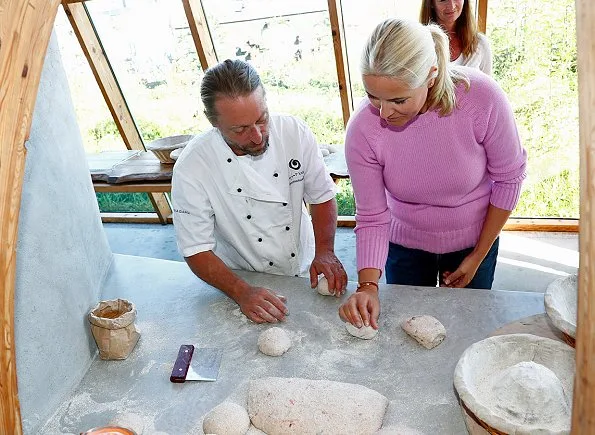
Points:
[(345, 200), (149, 130), (534, 54), (124, 202), (327, 128), (555, 196)]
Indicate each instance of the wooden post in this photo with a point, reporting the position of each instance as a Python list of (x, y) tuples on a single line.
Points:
[(482, 15), (201, 34), (583, 411), (89, 41), (335, 11), (25, 28)]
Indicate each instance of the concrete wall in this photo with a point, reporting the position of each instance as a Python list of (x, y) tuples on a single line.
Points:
[(62, 254)]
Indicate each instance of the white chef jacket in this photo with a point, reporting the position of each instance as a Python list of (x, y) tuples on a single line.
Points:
[(250, 210)]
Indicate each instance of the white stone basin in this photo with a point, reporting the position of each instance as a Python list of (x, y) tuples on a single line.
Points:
[(561, 302), (518, 383)]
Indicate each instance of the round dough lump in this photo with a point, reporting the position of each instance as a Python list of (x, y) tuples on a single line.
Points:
[(322, 287), (365, 332), (227, 418), (274, 341)]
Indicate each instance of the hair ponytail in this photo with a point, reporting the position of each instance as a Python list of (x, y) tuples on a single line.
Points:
[(441, 95)]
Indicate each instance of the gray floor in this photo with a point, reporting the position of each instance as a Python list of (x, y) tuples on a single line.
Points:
[(527, 261)]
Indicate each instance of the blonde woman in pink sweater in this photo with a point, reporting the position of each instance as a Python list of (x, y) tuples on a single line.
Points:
[(436, 166)]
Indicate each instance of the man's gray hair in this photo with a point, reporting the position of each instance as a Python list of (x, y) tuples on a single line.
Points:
[(230, 79)]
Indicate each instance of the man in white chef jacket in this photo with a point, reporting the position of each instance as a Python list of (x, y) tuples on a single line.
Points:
[(239, 192)]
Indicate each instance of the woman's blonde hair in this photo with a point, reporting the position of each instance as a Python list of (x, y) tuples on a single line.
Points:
[(465, 26), (407, 50)]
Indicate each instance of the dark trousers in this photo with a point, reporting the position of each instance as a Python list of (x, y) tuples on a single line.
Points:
[(421, 268)]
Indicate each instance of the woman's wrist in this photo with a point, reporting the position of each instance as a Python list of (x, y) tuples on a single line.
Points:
[(367, 285)]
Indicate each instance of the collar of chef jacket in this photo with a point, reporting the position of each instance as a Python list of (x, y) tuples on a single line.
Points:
[(253, 184)]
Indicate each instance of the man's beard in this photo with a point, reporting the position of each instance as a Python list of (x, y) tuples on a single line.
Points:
[(246, 149)]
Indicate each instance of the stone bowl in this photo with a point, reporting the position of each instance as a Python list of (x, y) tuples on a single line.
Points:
[(163, 147), (561, 305), (176, 153), (500, 388)]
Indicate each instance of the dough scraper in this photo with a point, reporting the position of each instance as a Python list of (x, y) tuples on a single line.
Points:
[(196, 364)]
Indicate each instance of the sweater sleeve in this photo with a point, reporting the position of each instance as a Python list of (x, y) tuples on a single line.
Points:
[(506, 158), (372, 213)]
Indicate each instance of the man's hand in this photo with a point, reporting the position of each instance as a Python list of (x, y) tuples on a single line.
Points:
[(465, 272), (261, 305), (361, 309), (329, 265)]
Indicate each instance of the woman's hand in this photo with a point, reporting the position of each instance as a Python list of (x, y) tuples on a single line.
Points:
[(465, 272), (362, 308)]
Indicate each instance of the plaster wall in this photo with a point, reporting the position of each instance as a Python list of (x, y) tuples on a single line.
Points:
[(62, 253)]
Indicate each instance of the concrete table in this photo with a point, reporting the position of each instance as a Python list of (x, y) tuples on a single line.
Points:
[(176, 308)]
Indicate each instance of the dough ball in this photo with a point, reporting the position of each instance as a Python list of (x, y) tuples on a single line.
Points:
[(322, 287), (274, 341), (365, 332), (227, 418), (427, 330)]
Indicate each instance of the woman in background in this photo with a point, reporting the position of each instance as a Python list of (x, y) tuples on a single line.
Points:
[(436, 166), (468, 47)]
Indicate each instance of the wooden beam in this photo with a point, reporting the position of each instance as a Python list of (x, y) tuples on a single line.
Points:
[(201, 34), (89, 40), (136, 188), (335, 11), (133, 218), (542, 225), (583, 417), (482, 15), (25, 28)]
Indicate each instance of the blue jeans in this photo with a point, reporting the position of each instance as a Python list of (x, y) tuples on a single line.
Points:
[(421, 268)]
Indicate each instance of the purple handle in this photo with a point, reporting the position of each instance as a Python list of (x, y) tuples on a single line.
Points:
[(180, 370)]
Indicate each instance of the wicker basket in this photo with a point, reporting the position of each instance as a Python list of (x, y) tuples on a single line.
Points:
[(164, 146)]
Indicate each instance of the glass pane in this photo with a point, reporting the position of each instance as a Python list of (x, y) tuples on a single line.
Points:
[(534, 52), (290, 45), (98, 130), (359, 19), (151, 50)]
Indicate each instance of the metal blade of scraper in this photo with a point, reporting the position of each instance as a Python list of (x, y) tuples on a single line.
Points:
[(196, 364), (205, 364)]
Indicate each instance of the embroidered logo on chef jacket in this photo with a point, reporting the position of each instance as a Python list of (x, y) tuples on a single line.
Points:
[(295, 175)]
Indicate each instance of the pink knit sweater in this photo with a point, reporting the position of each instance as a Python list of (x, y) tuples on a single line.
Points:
[(427, 185)]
